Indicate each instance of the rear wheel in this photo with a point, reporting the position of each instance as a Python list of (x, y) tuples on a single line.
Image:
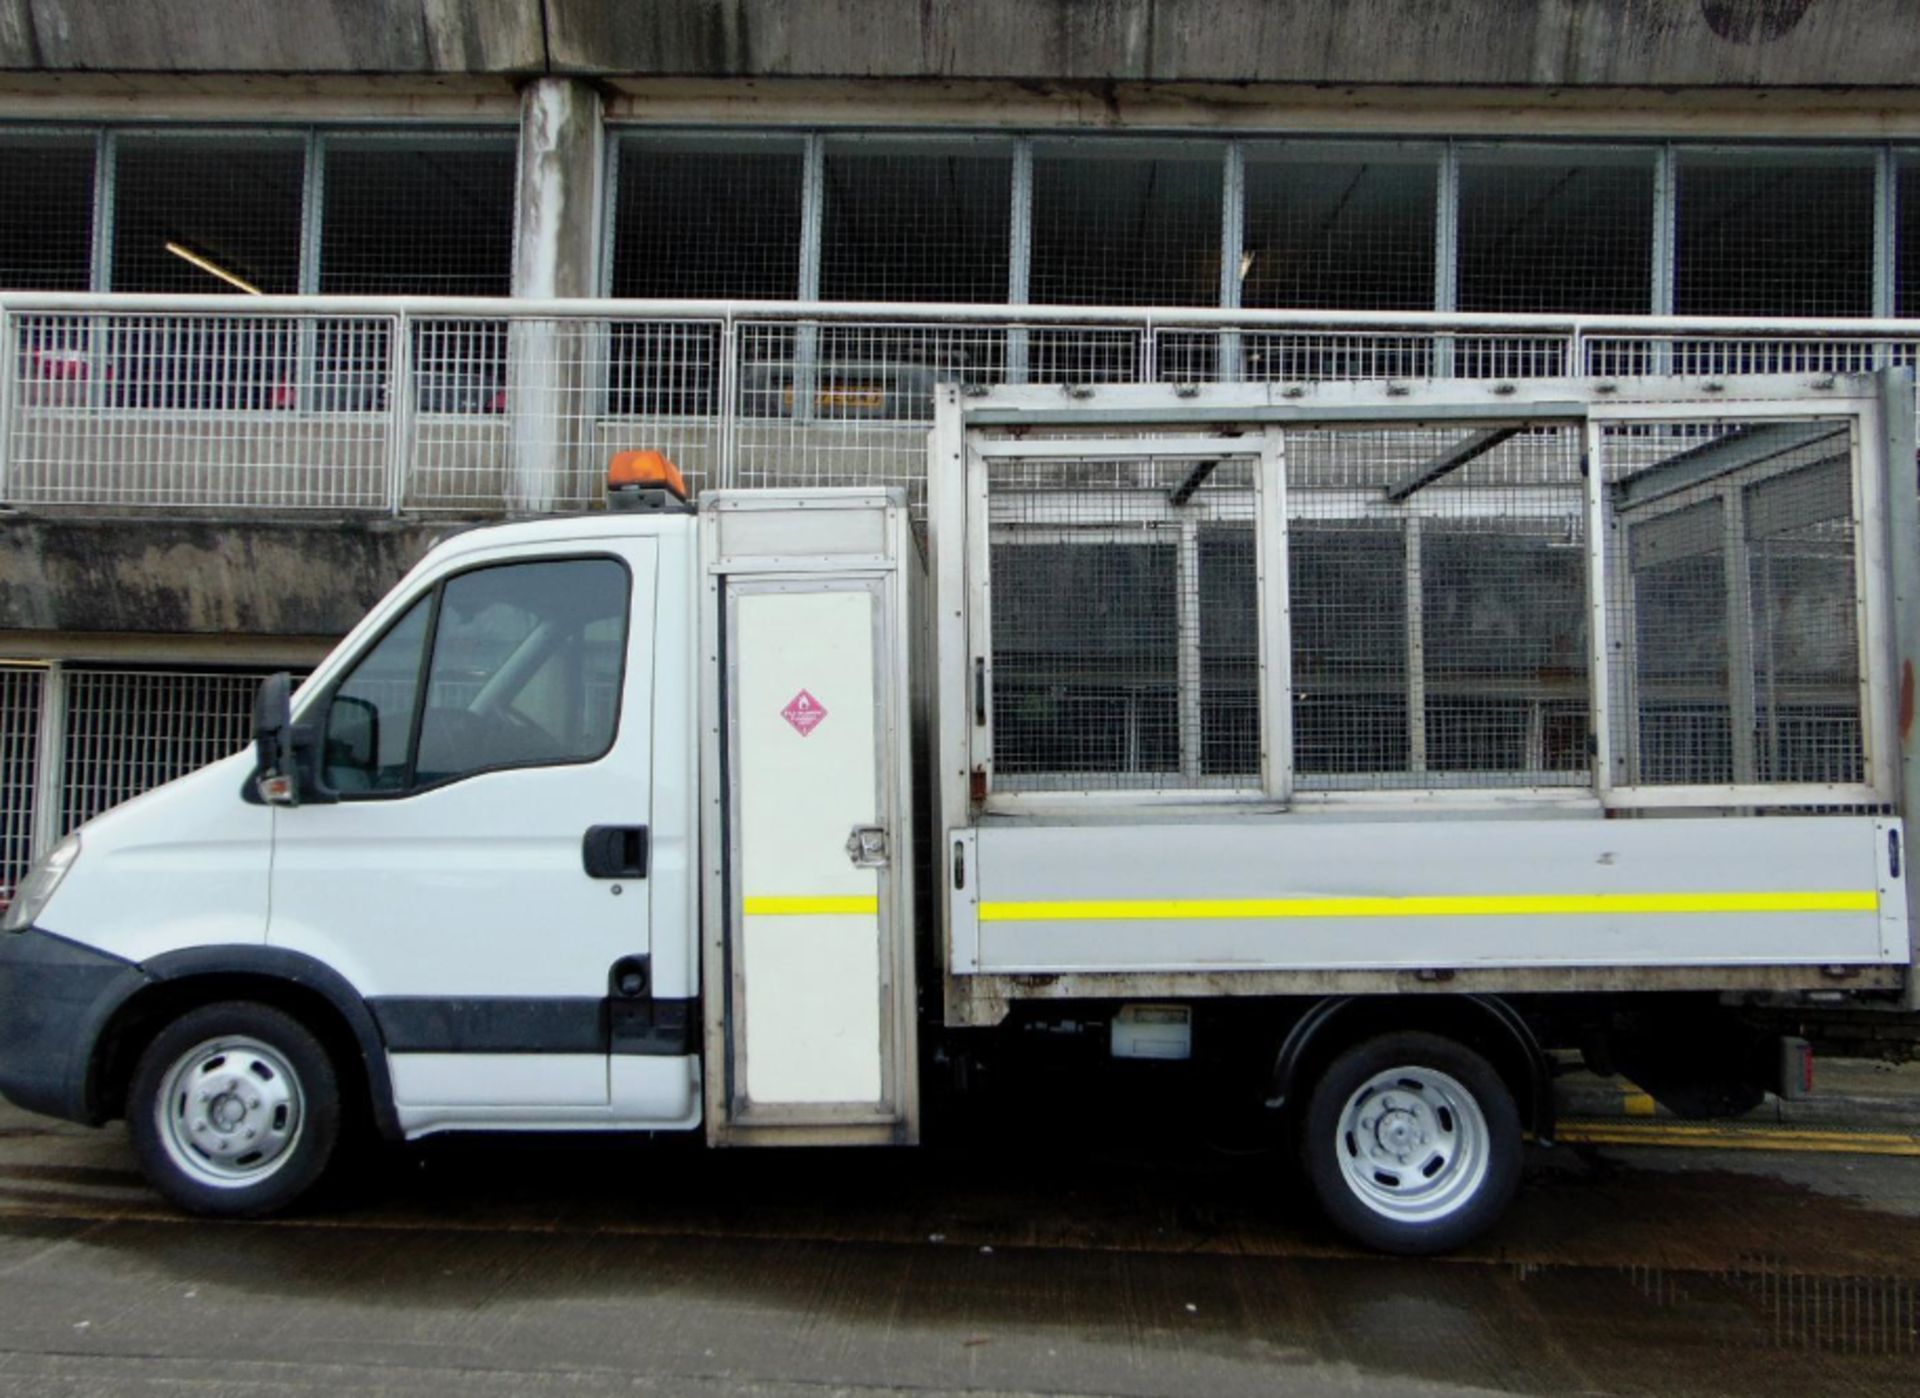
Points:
[(1412, 1143), (234, 1110)]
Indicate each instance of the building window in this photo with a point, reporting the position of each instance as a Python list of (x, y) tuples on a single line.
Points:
[(1338, 228), (708, 217), (916, 221), (1126, 223), (1774, 234), (1567, 232), (46, 218), (207, 214), (420, 219)]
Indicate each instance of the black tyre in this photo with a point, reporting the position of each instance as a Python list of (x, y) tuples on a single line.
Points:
[(234, 1110), (1411, 1143)]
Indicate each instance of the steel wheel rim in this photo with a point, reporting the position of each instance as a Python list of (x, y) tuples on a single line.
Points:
[(1413, 1144), (230, 1112)]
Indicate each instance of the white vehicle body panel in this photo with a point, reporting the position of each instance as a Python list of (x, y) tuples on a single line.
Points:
[(1299, 894), (183, 865)]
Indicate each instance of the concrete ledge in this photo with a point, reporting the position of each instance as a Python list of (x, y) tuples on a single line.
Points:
[(1652, 43), (263, 578)]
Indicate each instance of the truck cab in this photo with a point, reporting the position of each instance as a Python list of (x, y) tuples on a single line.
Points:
[(458, 883)]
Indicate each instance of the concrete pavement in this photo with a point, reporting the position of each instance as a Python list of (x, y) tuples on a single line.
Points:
[(503, 1266)]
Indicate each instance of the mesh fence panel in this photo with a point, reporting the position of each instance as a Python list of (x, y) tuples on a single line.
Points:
[(1735, 598), (707, 217), (1338, 228), (433, 219), (228, 411), (1125, 624), (1906, 257), (916, 221), (207, 214), (131, 730), (1777, 236), (46, 218), (1568, 232), (850, 405), (20, 694), (1126, 224)]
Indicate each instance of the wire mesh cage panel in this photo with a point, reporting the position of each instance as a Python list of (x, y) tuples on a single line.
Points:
[(129, 730), (1339, 227), (423, 217), (1125, 621), (46, 219), (208, 214), (1437, 603), (230, 411), (1126, 223), (21, 689), (1734, 603), (916, 220)]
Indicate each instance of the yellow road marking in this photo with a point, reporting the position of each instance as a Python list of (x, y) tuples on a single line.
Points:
[(770, 905), (1432, 905), (1701, 1135)]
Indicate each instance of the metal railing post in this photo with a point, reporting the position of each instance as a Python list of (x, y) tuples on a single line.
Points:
[(9, 386), (50, 762), (727, 409), (399, 411)]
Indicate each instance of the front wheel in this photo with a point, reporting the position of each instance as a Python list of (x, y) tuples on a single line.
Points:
[(1412, 1143), (234, 1110)]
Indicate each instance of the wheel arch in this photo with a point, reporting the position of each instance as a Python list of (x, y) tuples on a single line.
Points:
[(1485, 1023), (315, 994)]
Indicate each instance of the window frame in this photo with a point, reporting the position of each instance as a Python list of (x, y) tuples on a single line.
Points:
[(435, 595)]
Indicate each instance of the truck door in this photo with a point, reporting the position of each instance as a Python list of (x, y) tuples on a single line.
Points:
[(482, 876)]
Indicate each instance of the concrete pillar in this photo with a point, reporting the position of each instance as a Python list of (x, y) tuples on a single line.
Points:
[(552, 367)]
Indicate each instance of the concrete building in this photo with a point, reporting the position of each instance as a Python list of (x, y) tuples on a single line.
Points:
[(866, 198)]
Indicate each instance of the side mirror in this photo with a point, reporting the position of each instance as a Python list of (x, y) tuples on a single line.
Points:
[(275, 779)]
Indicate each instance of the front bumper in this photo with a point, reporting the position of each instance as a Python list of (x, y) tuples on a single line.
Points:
[(55, 998)]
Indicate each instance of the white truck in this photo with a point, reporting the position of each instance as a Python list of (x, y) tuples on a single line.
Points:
[(1362, 748)]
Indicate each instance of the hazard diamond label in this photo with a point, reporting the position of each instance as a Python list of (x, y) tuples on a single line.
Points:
[(804, 712)]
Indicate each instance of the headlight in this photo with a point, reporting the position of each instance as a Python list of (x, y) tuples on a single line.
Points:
[(38, 886)]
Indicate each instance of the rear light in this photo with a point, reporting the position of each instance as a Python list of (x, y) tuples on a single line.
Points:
[(497, 403), (284, 396)]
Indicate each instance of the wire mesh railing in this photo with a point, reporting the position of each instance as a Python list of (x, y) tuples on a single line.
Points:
[(484, 406)]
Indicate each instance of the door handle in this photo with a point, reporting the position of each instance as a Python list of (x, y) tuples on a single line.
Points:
[(867, 846), (615, 851)]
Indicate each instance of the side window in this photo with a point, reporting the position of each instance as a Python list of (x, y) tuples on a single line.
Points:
[(525, 668), (371, 716)]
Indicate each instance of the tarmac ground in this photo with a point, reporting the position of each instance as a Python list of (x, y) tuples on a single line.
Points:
[(1067, 1265)]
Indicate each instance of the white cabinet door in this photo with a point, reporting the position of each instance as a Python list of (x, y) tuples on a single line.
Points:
[(504, 713), (813, 966)]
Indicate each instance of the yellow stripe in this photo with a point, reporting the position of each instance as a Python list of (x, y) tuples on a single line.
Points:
[(1433, 905), (779, 906), (1731, 1137)]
